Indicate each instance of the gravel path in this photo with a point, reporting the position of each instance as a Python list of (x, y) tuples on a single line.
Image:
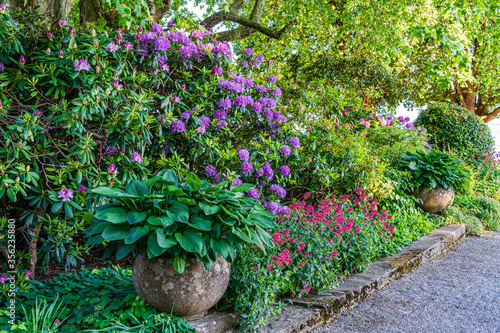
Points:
[(458, 292)]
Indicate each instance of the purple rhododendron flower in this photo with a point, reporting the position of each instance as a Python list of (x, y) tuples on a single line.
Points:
[(276, 92), (156, 28), (246, 167), (82, 188), (237, 182), (81, 65), (136, 157), (260, 57), (198, 34), (280, 191), (65, 195), (362, 120), (3, 278), (127, 45), (60, 53), (285, 150), (268, 171), (22, 61), (269, 114), (50, 35), (216, 70), (244, 155), (260, 88), (366, 124), (38, 113), (201, 129), (177, 126), (225, 103), (274, 207), (112, 47), (244, 63), (175, 99), (205, 121), (210, 170), (285, 170), (249, 51), (220, 114), (162, 44), (186, 114), (220, 124), (259, 172), (243, 100), (257, 107), (271, 78), (27, 273), (253, 193), (112, 170)]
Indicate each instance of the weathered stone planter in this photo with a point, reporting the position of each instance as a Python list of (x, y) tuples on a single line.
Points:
[(187, 295), (435, 200)]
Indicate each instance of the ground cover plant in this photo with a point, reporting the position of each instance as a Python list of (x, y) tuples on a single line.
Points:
[(101, 300)]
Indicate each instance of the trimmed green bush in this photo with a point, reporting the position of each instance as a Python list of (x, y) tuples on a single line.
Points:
[(452, 127), (489, 213), (472, 223)]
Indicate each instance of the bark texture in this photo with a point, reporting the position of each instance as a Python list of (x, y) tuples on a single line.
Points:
[(158, 12)]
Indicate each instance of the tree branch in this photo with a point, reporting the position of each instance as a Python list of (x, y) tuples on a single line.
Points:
[(158, 12), (492, 115), (248, 25)]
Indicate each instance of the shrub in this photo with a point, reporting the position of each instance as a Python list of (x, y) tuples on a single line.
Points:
[(486, 168), (83, 110), (189, 219), (434, 169), (489, 213), (452, 127), (472, 223)]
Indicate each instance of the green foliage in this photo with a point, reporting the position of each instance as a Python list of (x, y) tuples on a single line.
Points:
[(472, 223), (489, 213), (192, 218), (434, 169), (452, 127), (101, 300)]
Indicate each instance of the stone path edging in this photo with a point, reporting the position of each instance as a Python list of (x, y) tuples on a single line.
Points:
[(313, 311)]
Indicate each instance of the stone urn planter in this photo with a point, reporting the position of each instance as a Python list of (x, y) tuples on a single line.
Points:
[(188, 295), (435, 200)]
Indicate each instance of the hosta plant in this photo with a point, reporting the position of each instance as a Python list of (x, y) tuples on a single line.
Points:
[(192, 218), (434, 169)]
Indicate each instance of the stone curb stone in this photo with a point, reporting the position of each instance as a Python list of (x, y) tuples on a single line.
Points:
[(313, 311)]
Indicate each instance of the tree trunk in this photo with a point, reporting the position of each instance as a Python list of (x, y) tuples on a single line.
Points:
[(61, 9), (45, 5), (90, 11)]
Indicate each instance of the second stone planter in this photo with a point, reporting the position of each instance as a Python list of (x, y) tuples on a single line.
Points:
[(434, 200), (188, 295)]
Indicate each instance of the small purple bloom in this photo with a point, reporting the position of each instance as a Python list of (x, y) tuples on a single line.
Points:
[(285, 170), (201, 129), (50, 35), (136, 157), (260, 88), (112, 47), (82, 188), (175, 99), (205, 121), (127, 45), (27, 273), (249, 51), (220, 114), (237, 182), (244, 155), (186, 114), (244, 63), (225, 103), (253, 193), (366, 124), (271, 78), (60, 53), (177, 126), (285, 150), (216, 70), (246, 167), (260, 57), (294, 142), (38, 113), (210, 170), (112, 170), (3, 278), (256, 106), (65, 195), (22, 61), (62, 23), (81, 64)]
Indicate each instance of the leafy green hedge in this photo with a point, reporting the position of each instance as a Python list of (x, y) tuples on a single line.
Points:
[(452, 127)]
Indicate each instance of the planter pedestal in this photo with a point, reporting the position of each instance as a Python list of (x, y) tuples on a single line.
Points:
[(435, 200), (188, 295)]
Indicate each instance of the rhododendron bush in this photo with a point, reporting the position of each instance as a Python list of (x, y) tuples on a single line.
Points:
[(314, 247), (82, 110)]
